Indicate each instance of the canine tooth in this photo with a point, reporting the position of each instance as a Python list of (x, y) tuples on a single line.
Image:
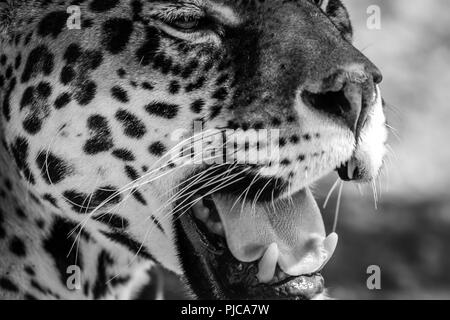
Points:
[(268, 264), (330, 244), (218, 228), (210, 225), (351, 166), (200, 211)]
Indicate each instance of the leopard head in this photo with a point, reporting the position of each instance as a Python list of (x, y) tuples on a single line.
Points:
[(142, 113)]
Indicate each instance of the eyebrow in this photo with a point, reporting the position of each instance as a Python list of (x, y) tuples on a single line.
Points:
[(222, 13)]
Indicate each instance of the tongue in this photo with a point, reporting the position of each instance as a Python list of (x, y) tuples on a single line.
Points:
[(288, 232)]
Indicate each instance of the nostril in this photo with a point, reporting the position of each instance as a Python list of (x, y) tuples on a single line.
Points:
[(335, 104), (377, 75)]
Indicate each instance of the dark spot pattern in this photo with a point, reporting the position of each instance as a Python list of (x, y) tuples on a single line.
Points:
[(197, 106), (146, 53), (9, 72), (92, 59), (39, 60), (131, 173), (67, 75), (62, 100), (123, 154), (19, 151), (189, 69), (162, 63), (133, 127), (52, 24), (128, 242), (119, 94), (38, 109), (139, 197), (86, 93), (21, 214), (100, 287), (28, 38), (58, 245), (112, 220), (101, 139), (174, 87), (147, 86), (85, 203), (116, 34), (17, 247), (8, 285), (196, 85), (220, 94), (294, 139), (53, 168), (163, 110), (6, 100), (121, 73), (30, 271), (86, 23), (18, 61), (50, 199), (215, 111), (3, 60), (102, 5), (157, 149), (72, 53)]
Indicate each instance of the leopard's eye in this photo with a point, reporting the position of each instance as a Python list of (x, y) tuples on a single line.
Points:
[(318, 2), (185, 25)]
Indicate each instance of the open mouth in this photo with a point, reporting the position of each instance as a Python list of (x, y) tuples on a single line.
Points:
[(255, 249)]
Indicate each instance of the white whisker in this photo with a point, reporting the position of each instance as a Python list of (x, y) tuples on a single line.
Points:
[(327, 199)]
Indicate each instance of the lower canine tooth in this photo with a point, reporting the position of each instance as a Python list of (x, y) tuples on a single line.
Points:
[(330, 245), (218, 228), (268, 264)]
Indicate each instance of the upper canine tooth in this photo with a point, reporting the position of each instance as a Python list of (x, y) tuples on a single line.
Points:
[(268, 264), (200, 211), (351, 166)]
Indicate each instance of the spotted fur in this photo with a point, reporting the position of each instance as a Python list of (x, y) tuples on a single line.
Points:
[(88, 114)]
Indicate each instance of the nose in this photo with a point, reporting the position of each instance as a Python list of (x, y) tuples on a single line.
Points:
[(347, 94)]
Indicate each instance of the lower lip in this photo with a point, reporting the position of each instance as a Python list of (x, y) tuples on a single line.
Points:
[(305, 287)]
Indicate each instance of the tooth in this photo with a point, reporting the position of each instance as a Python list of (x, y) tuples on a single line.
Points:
[(200, 211), (351, 166), (329, 244), (210, 224), (268, 264), (218, 228)]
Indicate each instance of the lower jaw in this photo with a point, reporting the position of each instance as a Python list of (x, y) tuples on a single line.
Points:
[(213, 272)]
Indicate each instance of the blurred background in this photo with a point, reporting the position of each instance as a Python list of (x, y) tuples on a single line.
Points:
[(408, 235)]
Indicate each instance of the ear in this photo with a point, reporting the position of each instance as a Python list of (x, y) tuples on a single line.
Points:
[(6, 15)]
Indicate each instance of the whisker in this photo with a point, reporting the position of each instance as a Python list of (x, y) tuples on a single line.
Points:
[(338, 205), (327, 199), (375, 195)]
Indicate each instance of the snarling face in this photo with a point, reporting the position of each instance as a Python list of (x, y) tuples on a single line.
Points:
[(201, 124)]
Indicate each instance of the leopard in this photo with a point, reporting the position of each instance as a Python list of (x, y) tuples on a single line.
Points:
[(129, 130)]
